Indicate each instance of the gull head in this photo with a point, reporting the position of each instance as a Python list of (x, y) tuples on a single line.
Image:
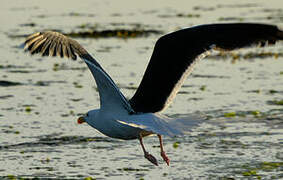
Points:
[(90, 117)]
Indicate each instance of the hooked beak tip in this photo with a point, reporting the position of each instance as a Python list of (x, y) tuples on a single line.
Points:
[(81, 120)]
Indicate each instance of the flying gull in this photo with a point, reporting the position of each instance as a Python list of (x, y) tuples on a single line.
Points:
[(173, 59)]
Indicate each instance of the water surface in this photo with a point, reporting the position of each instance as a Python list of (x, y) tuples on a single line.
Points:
[(41, 98)]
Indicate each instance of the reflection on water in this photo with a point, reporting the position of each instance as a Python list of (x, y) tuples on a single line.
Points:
[(240, 93)]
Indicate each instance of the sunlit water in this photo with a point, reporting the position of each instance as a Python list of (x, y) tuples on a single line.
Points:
[(39, 136)]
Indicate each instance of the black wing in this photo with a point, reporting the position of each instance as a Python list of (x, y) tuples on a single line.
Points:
[(175, 54)]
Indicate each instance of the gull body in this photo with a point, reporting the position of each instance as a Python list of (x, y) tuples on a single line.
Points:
[(116, 126), (172, 60), (122, 125)]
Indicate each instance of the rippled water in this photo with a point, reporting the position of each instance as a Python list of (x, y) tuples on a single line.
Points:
[(41, 98)]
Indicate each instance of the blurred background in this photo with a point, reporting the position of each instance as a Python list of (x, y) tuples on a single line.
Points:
[(239, 92)]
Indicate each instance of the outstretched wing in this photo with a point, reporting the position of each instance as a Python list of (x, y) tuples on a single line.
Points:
[(55, 44), (176, 53)]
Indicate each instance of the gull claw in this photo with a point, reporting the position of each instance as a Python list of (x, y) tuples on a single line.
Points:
[(151, 158), (165, 158)]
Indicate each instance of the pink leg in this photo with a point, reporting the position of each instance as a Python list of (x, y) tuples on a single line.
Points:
[(148, 156), (163, 154)]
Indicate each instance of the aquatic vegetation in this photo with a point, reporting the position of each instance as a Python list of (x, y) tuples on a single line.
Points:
[(118, 33), (231, 19), (12, 66), (90, 31), (188, 15), (129, 87), (256, 169), (262, 54), (272, 91), (28, 109), (255, 91), (184, 92), (44, 161), (246, 56), (63, 66), (203, 88), (131, 169), (75, 14), (46, 83), (11, 177), (77, 85), (249, 173), (176, 144), (255, 113), (241, 5), (231, 143), (55, 67), (32, 24), (270, 165), (203, 8), (9, 83), (10, 131), (76, 99), (89, 178), (230, 114), (275, 102), (43, 168), (41, 16), (6, 96)]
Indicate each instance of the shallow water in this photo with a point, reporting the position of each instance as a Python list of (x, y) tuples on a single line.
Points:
[(41, 98)]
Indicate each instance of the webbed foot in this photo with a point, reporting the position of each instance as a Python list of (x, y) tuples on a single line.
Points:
[(165, 158), (151, 158)]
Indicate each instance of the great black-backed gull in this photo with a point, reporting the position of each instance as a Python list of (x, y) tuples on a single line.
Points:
[(173, 58)]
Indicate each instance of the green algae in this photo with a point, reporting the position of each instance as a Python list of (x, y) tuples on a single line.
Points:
[(276, 102), (189, 15), (11, 177), (255, 113), (245, 56), (117, 33), (131, 169), (272, 91), (10, 131), (176, 144), (230, 114), (77, 85), (9, 83), (255, 170), (28, 109), (231, 19), (257, 91), (89, 178), (203, 88), (76, 99), (266, 166), (249, 173), (6, 96)]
